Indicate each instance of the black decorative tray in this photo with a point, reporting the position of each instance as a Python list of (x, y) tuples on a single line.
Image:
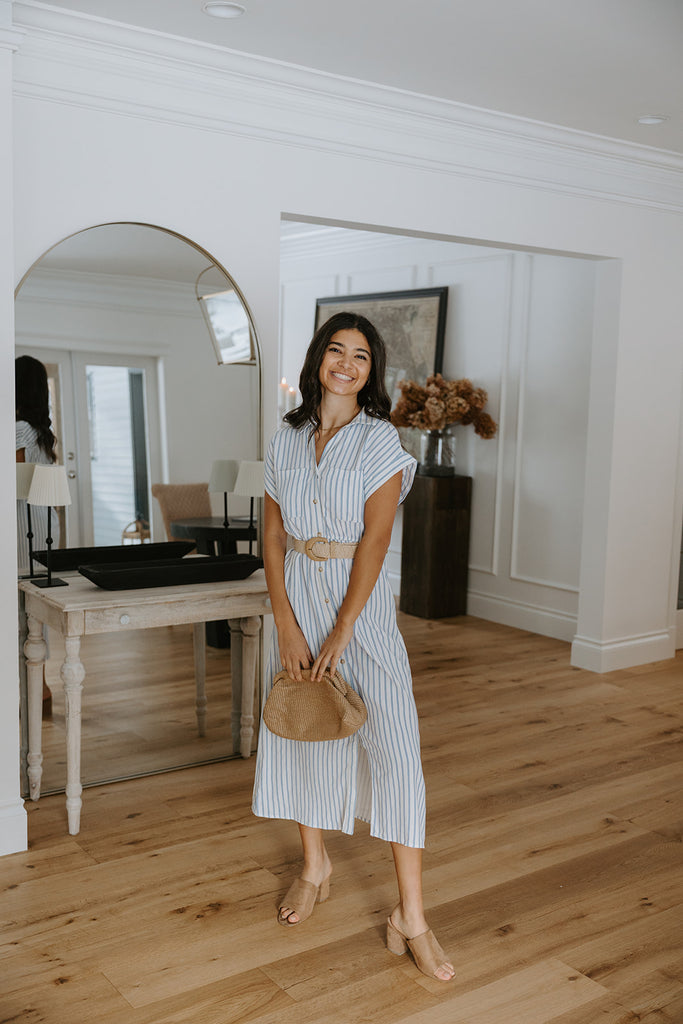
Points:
[(171, 573), (64, 559)]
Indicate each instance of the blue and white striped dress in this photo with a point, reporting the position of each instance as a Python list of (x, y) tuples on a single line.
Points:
[(376, 774)]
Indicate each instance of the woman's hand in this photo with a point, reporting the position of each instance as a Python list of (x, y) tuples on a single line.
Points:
[(295, 653), (332, 650)]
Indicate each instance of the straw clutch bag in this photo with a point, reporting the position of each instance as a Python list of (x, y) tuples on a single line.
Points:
[(313, 711)]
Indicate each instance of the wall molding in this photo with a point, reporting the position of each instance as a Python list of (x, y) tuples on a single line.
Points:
[(80, 60), (626, 652), (13, 828), (110, 292), (522, 615)]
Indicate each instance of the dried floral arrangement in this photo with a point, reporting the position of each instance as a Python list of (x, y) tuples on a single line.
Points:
[(441, 402)]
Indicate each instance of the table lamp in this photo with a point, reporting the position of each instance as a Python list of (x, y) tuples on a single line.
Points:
[(250, 484), (24, 477), (49, 488), (222, 479)]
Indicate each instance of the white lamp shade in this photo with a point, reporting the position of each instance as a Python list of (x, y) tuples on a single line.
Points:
[(49, 486), (250, 480), (223, 476), (24, 477)]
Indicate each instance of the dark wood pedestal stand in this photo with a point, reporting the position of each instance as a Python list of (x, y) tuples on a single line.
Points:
[(436, 537)]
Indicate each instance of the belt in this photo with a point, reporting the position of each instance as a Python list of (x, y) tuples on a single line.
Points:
[(319, 549)]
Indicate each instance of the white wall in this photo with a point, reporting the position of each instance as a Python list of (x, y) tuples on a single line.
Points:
[(12, 815), (521, 326), (113, 124)]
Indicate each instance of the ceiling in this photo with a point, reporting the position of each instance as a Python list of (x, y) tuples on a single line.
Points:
[(592, 65)]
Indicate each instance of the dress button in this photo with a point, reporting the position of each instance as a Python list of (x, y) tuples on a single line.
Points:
[(315, 501), (320, 568), (327, 600)]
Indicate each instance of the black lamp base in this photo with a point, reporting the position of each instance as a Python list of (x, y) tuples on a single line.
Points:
[(44, 582)]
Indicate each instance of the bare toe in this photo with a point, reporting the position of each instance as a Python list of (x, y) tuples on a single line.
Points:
[(445, 972)]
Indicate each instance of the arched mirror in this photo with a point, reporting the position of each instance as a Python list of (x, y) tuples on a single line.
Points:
[(154, 371)]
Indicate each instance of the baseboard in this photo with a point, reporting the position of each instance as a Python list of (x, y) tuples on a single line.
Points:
[(532, 618), (13, 828), (627, 652)]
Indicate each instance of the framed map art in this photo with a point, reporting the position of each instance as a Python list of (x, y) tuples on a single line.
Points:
[(412, 324)]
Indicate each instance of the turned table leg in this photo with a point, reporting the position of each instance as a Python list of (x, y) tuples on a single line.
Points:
[(199, 647), (73, 674), (236, 676), (35, 650), (246, 631)]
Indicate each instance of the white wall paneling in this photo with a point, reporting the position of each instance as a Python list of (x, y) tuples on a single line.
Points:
[(552, 423), (521, 326)]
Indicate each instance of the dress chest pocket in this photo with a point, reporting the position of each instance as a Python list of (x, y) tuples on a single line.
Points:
[(295, 490), (342, 495)]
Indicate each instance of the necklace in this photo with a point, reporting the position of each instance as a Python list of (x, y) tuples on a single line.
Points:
[(327, 430)]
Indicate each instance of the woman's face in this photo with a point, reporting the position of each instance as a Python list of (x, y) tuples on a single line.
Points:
[(346, 364)]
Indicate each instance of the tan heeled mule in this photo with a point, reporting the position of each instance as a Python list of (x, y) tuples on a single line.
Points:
[(427, 953), (301, 898)]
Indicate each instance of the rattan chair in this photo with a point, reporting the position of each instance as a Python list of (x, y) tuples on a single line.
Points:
[(182, 501)]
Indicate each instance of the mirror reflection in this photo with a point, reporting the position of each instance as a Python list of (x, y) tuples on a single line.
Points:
[(113, 314)]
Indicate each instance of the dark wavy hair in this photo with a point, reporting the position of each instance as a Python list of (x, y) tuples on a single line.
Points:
[(32, 402), (373, 398)]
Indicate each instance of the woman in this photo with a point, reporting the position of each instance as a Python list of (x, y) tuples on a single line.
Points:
[(35, 443), (337, 470)]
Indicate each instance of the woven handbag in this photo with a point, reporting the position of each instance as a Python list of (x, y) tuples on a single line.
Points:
[(313, 711)]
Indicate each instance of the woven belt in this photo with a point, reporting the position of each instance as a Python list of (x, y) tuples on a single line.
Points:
[(319, 549)]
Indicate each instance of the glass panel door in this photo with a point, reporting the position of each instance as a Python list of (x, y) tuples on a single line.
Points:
[(118, 424)]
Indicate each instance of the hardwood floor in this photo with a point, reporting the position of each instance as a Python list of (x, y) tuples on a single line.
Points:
[(553, 870)]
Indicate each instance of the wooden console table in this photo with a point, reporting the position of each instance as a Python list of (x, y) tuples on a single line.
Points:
[(82, 609), (435, 551)]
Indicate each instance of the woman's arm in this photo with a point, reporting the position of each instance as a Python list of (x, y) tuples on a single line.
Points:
[(21, 455), (380, 511), (294, 651)]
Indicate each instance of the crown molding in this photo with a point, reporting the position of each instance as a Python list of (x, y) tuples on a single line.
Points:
[(11, 39), (84, 61), (118, 293)]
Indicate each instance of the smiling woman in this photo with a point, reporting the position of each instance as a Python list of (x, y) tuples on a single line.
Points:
[(113, 313)]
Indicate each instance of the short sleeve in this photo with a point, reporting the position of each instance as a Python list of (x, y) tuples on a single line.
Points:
[(269, 472), (25, 434), (383, 457)]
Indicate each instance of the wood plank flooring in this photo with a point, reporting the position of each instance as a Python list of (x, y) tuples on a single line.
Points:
[(553, 870)]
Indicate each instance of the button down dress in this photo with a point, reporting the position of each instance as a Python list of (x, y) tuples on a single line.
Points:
[(376, 774)]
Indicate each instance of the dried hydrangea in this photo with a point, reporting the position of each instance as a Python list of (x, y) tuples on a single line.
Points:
[(441, 402), (484, 426)]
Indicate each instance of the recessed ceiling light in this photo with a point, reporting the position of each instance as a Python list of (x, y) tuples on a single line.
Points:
[(223, 9), (653, 119)]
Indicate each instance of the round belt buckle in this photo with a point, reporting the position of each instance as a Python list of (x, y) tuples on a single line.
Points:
[(308, 548)]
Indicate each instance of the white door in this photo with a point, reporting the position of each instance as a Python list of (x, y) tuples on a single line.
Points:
[(117, 423), (105, 413)]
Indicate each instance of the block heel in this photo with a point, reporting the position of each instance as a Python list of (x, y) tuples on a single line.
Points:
[(324, 890), (395, 941), (426, 951)]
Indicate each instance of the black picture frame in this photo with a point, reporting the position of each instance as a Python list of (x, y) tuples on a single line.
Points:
[(412, 323)]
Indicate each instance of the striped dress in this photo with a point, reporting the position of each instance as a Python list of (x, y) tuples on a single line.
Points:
[(376, 774)]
